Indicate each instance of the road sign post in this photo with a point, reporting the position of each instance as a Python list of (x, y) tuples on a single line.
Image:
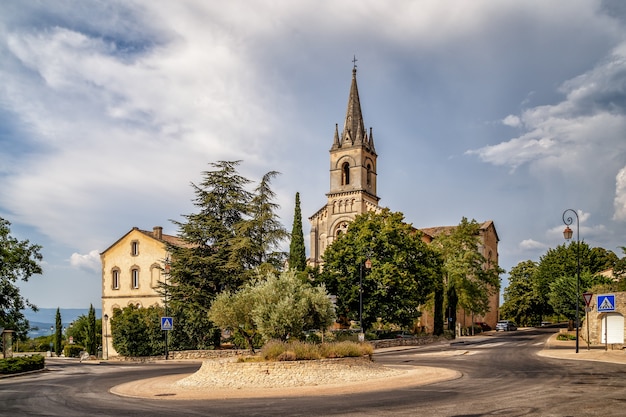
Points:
[(587, 296), (606, 304), (167, 324)]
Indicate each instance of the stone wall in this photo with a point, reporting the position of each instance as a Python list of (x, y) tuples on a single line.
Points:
[(187, 355)]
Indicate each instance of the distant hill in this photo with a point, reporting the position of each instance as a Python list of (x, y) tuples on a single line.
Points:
[(42, 320)]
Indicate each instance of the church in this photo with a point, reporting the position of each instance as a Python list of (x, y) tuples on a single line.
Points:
[(353, 176)]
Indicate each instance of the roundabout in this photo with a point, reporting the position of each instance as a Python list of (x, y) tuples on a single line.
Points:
[(226, 380)]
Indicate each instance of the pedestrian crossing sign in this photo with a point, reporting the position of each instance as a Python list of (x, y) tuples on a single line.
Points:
[(606, 302), (167, 323)]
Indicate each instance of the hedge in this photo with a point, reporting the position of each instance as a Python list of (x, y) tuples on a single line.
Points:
[(21, 364)]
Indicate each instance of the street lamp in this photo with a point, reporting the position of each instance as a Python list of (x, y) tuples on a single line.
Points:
[(106, 336), (51, 339), (568, 233), (367, 264)]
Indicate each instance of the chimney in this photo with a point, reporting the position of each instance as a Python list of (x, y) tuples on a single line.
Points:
[(157, 232)]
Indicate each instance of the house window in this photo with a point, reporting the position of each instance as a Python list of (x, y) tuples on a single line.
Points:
[(115, 279), (134, 248), (345, 174), (134, 273)]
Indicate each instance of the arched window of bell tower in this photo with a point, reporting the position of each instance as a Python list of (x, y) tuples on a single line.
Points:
[(345, 174), (369, 174)]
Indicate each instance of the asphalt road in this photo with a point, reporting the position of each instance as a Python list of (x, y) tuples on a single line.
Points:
[(502, 376)]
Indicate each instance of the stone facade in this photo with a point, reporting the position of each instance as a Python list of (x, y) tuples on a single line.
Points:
[(132, 270), (598, 322), (353, 179)]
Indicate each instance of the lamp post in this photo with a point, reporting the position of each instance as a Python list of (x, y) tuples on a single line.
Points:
[(367, 264), (51, 340), (568, 233), (106, 336)]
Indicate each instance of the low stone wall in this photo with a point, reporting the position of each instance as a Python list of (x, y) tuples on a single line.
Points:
[(230, 374), (186, 355), (417, 341)]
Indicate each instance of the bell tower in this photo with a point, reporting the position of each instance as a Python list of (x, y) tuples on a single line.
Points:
[(352, 178)]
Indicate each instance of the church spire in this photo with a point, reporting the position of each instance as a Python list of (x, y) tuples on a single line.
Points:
[(353, 128)]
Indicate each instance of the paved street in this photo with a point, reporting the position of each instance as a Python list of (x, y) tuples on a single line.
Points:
[(502, 374)]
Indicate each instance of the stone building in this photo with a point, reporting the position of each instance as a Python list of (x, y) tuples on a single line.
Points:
[(132, 269), (353, 180), (605, 327)]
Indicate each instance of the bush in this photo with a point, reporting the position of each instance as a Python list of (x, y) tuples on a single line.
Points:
[(276, 350), (72, 351), (565, 336), (21, 364)]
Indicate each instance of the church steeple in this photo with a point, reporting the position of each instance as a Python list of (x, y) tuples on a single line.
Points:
[(354, 132), (353, 178), (352, 155)]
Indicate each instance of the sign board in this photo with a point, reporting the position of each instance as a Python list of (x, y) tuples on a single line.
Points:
[(167, 323), (606, 302), (587, 296)]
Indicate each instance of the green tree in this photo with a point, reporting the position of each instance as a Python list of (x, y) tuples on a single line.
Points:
[(91, 342), (297, 253), (520, 305), (137, 331), (78, 330), (274, 307), (261, 232), (19, 260), (58, 333), (562, 261), (403, 271), (562, 295), (234, 233), (469, 279)]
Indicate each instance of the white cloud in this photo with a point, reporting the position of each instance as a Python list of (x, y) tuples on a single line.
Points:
[(620, 196), (582, 133), (512, 120), (88, 262), (532, 245)]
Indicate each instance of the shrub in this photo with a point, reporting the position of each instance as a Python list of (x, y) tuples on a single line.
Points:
[(565, 336), (72, 351), (281, 351), (21, 364), (287, 356)]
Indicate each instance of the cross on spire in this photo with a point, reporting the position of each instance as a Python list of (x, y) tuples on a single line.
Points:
[(354, 60)]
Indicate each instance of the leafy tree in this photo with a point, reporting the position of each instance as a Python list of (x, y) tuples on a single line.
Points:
[(297, 253), (469, 279), (19, 260), (619, 271), (234, 232), (58, 333), (262, 233), (275, 307), (404, 269), (562, 261), (562, 295), (78, 330), (137, 331), (91, 343), (520, 305)]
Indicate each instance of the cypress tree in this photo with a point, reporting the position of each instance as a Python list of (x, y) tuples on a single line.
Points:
[(58, 335), (90, 338), (297, 254)]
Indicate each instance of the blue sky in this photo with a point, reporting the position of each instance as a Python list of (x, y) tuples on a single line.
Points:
[(500, 110)]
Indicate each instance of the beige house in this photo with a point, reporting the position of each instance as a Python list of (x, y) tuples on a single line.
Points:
[(132, 269), (353, 177)]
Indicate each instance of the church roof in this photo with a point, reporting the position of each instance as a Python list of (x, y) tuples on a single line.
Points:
[(354, 132), (434, 232)]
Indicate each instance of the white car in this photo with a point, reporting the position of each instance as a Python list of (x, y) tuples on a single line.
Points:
[(505, 325)]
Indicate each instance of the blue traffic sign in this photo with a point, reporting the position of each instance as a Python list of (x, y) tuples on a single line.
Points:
[(606, 302), (167, 323)]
